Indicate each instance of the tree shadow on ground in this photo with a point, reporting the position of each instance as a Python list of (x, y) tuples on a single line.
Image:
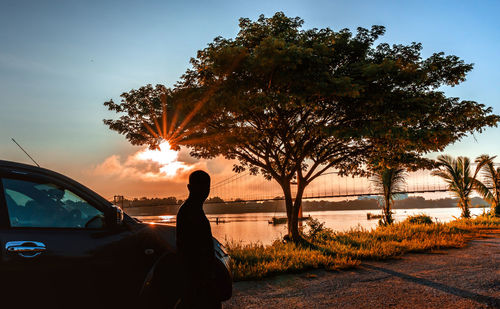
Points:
[(306, 243), (487, 300)]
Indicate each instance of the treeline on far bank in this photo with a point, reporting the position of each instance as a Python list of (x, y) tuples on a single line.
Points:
[(170, 206)]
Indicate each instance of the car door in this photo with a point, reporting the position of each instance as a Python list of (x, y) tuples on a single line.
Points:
[(57, 248)]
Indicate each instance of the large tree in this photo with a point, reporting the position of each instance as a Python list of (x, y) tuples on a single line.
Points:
[(291, 103)]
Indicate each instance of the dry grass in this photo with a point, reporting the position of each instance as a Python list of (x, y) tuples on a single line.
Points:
[(257, 261), (334, 250)]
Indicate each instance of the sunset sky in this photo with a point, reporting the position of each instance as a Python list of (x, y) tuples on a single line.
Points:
[(60, 60)]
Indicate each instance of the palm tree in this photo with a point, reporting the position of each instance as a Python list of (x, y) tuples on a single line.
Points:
[(389, 181), (457, 174), (489, 188)]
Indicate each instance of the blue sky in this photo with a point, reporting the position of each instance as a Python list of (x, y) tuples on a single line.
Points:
[(60, 60)]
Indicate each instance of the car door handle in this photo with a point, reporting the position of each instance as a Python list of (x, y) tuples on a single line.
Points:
[(27, 249)]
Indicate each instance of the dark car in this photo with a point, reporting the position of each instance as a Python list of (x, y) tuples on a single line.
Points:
[(64, 245)]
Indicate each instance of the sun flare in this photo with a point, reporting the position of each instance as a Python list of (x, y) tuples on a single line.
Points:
[(166, 158)]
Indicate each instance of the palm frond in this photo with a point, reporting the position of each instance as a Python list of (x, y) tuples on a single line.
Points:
[(457, 174), (389, 181), (484, 191), (489, 188)]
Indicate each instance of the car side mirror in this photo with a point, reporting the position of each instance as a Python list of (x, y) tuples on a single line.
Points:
[(115, 216)]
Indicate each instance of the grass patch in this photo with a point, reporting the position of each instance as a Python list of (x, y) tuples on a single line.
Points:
[(325, 249), (257, 261)]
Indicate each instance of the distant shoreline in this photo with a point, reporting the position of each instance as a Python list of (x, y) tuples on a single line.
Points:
[(308, 206)]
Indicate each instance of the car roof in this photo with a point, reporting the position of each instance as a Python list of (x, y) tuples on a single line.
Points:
[(17, 165), (10, 165)]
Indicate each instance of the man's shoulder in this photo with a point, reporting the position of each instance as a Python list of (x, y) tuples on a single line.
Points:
[(184, 207), (185, 211)]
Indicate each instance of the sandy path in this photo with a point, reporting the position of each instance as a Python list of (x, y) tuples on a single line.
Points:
[(457, 278)]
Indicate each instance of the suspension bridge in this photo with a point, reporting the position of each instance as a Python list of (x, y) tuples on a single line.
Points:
[(246, 187)]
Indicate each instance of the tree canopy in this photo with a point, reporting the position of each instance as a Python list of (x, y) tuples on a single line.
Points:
[(291, 103)]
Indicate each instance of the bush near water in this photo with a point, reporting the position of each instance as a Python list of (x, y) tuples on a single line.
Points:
[(419, 219), (326, 249)]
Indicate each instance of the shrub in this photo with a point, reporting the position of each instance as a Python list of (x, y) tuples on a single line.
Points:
[(317, 230), (419, 219)]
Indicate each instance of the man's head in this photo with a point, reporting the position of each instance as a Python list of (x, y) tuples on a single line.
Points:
[(199, 184)]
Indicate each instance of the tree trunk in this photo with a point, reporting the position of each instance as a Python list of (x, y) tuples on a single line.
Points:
[(387, 212), (465, 208), (294, 228), (293, 208), (287, 192), (495, 208), (295, 215)]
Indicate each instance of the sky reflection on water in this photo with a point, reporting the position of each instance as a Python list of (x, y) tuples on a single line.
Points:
[(254, 227)]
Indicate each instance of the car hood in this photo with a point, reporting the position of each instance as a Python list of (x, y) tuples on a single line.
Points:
[(163, 233)]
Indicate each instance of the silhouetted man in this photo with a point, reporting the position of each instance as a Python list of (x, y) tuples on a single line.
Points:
[(195, 246)]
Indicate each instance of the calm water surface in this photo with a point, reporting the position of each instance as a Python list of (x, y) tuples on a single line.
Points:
[(254, 227)]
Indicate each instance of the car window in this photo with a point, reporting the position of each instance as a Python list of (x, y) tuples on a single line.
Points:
[(32, 204)]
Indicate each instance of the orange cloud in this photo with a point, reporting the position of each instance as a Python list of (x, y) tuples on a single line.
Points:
[(143, 173), (145, 164)]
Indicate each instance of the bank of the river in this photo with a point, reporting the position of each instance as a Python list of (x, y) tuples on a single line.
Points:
[(307, 206), (455, 278), (330, 250)]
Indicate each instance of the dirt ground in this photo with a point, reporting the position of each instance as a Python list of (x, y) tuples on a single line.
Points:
[(455, 278)]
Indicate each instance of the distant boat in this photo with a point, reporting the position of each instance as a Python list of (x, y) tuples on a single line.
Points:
[(217, 220), (370, 216), (283, 220)]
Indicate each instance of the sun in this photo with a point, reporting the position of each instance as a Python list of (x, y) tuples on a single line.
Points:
[(166, 158)]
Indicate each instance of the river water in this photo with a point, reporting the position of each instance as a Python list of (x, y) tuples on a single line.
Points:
[(255, 227)]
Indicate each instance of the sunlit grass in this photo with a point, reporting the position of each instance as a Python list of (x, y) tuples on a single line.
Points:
[(330, 250), (256, 261)]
